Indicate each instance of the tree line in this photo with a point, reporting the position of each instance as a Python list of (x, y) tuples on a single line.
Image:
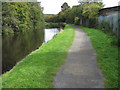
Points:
[(21, 17), (84, 14)]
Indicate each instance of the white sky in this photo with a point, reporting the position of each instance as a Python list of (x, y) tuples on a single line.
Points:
[(54, 6)]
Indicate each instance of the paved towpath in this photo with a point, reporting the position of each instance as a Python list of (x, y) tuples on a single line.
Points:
[(81, 69)]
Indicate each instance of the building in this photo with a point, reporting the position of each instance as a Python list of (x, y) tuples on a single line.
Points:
[(109, 11), (111, 16)]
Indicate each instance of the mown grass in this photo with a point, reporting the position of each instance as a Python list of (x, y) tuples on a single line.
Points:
[(38, 69), (107, 55)]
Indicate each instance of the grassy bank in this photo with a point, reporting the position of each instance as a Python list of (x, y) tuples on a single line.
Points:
[(38, 69), (107, 55)]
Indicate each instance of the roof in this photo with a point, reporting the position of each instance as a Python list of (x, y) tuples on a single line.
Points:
[(115, 8), (105, 11)]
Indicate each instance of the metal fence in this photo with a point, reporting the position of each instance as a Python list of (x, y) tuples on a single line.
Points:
[(112, 20)]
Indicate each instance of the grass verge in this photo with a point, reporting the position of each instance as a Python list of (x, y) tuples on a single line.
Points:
[(38, 69), (107, 55)]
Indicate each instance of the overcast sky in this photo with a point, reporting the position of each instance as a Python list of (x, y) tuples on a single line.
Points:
[(54, 6)]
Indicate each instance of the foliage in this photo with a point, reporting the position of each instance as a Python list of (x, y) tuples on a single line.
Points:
[(55, 25), (53, 18), (89, 1), (84, 1), (105, 26), (60, 17), (38, 69), (91, 10), (90, 13), (65, 6), (76, 21), (85, 14), (45, 15), (36, 15), (21, 16), (74, 12), (107, 55)]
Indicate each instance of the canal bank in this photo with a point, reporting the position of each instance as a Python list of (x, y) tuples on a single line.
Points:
[(18, 46), (41, 65)]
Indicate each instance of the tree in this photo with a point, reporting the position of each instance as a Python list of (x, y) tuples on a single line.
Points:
[(21, 17), (84, 1), (88, 1), (90, 13), (91, 10), (65, 6)]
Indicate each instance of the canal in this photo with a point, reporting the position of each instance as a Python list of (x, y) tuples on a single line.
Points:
[(18, 46)]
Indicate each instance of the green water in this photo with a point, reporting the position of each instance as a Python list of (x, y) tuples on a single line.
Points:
[(18, 46)]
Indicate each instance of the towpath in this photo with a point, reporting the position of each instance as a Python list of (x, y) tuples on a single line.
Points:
[(81, 69)]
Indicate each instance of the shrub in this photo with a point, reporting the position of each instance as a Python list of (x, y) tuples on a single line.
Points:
[(55, 25), (21, 17), (76, 20), (105, 26)]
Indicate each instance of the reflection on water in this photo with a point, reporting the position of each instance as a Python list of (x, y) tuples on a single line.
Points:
[(49, 33), (16, 47)]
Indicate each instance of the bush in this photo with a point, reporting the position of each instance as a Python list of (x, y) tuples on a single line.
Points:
[(55, 25), (76, 21), (108, 29), (105, 26), (21, 17)]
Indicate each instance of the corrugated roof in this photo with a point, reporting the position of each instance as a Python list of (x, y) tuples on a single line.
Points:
[(115, 7)]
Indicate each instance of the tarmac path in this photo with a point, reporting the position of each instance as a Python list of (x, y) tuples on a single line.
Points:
[(81, 69)]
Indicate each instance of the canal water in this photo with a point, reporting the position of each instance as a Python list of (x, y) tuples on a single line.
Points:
[(16, 47)]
